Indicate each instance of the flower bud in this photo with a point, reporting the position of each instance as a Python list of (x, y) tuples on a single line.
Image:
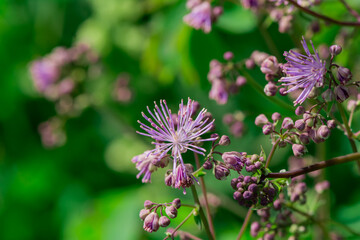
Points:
[(221, 172), (277, 204), (151, 222), (171, 211), (276, 116), (228, 56), (269, 236), (300, 124), (143, 213), (176, 203), (270, 89), (344, 75), (148, 204), (282, 144), (328, 95), (282, 91), (331, 124), (335, 50), (341, 93), (169, 179), (322, 186), (164, 221), (224, 140), (240, 81), (237, 129), (298, 150), (267, 129), (300, 110), (214, 135), (323, 132), (207, 165), (261, 120), (217, 11), (270, 65), (231, 157), (255, 228), (249, 63), (287, 123)]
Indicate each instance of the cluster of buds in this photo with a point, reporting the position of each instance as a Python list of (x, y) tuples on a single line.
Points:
[(224, 79), (151, 218), (52, 133), (202, 14), (148, 162), (235, 123), (298, 134), (251, 191), (296, 192), (122, 92)]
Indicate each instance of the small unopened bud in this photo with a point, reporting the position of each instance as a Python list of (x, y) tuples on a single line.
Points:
[(164, 221), (255, 228), (322, 186), (344, 75), (269, 236), (300, 110), (277, 204), (240, 81), (169, 179), (261, 120), (335, 50), (217, 11), (228, 56), (331, 124), (171, 211), (143, 213), (148, 204), (270, 89), (323, 132), (341, 93), (214, 135), (267, 129), (276, 116), (224, 140), (282, 91), (298, 150), (207, 165), (231, 157), (221, 172), (328, 95), (300, 124), (176, 203), (282, 144), (249, 63), (151, 222), (270, 65), (287, 123)]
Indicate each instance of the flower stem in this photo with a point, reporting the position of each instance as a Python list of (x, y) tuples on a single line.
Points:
[(201, 213), (323, 17), (323, 164), (272, 152), (351, 10), (245, 223), (348, 130), (203, 189), (182, 223)]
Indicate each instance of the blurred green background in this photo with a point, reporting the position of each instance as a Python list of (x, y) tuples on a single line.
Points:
[(88, 189)]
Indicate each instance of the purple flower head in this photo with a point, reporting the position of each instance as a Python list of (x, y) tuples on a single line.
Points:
[(200, 17), (147, 163), (180, 137), (303, 71)]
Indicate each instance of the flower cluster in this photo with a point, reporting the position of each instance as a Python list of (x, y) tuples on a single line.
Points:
[(235, 123), (152, 221), (177, 133), (52, 133), (122, 92), (202, 15), (224, 78)]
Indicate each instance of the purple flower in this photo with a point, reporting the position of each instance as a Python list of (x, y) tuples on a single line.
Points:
[(147, 163), (303, 71), (44, 73), (200, 17), (178, 136), (218, 92)]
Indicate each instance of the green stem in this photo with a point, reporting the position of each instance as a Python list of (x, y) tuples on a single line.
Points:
[(203, 189), (345, 228), (201, 213), (178, 226), (272, 152), (245, 224), (260, 90), (348, 130), (268, 40)]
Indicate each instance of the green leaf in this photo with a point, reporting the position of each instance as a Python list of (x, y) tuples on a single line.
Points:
[(237, 20)]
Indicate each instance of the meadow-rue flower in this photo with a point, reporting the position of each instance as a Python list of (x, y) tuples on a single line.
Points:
[(148, 162), (303, 71), (200, 17)]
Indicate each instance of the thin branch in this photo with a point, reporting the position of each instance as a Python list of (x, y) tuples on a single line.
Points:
[(245, 224), (316, 166), (272, 152), (178, 226), (323, 17), (351, 10)]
